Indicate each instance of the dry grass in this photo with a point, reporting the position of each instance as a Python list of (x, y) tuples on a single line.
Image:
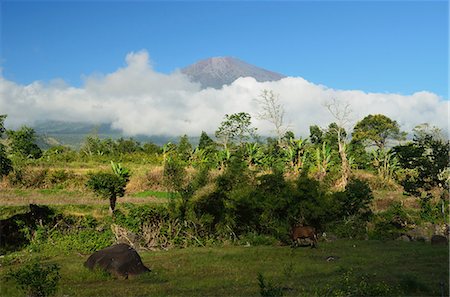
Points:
[(9, 197)]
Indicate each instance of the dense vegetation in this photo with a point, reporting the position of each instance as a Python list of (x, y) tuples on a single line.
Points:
[(235, 188)]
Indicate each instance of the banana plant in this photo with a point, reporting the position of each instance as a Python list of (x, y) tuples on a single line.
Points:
[(168, 148), (323, 157), (253, 154), (222, 157), (120, 171), (295, 153), (199, 156), (385, 163)]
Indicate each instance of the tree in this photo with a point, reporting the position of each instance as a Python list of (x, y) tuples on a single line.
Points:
[(184, 148), (315, 134), (5, 162), (376, 129), (2, 124), (205, 142), (23, 142), (235, 128), (341, 112), (272, 111), (109, 185), (427, 162)]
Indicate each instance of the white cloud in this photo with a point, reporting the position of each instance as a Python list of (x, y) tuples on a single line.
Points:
[(138, 100)]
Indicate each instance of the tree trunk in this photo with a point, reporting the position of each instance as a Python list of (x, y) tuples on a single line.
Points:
[(345, 167), (112, 204)]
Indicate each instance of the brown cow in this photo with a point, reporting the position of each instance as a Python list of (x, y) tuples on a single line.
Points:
[(304, 232)]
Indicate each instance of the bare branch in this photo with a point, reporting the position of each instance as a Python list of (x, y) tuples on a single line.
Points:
[(272, 111)]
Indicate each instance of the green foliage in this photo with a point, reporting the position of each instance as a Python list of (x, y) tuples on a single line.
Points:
[(205, 142), (60, 153), (174, 174), (391, 223), (429, 156), (376, 129), (309, 204), (267, 289), (356, 199), (357, 152), (236, 128), (315, 134), (352, 285), (120, 171), (23, 143), (2, 124), (184, 149), (108, 186), (5, 162), (36, 279), (255, 239)]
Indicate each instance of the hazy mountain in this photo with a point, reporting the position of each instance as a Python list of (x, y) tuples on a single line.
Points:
[(218, 71)]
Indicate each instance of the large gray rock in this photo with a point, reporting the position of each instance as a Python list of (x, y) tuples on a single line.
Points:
[(119, 260)]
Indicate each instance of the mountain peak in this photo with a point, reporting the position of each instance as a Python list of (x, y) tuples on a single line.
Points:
[(218, 71)]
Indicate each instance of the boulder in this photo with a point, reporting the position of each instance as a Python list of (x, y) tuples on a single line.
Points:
[(439, 240), (120, 260), (404, 237)]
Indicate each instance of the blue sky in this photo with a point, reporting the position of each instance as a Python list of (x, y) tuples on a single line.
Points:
[(383, 46)]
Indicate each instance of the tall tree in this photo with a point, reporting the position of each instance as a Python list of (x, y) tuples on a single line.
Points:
[(23, 142), (428, 159), (184, 148), (236, 128), (315, 134), (376, 129), (205, 142), (272, 111), (341, 113)]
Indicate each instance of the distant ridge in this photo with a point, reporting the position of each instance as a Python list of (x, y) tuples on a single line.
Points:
[(218, 71)]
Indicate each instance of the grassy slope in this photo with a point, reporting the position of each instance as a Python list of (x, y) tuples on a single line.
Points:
[(232, 270)]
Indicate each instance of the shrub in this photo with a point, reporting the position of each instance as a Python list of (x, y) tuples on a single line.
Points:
[(36, 279), (356, 199), (350, 285), (28, 177), (392, 223), (267, 289)]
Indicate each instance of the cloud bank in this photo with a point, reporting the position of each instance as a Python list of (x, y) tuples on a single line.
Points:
[(138, 100)]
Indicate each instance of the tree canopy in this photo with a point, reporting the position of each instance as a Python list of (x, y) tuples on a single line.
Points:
[(376, 129)]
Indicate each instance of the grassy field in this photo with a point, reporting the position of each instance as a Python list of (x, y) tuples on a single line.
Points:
[(414, 269), (11, 197)]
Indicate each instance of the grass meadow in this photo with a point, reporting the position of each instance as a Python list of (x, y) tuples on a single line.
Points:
[(410, 269)]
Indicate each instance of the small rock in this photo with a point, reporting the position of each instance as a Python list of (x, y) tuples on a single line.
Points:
[(332, 258)]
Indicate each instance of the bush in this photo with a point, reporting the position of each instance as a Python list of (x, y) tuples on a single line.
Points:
[(254, 239), (392, 223), (356, 199), (27, 177), (350, 285), (36, 279), (267, 289)]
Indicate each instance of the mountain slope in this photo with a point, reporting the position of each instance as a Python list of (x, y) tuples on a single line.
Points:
[(218, 71)]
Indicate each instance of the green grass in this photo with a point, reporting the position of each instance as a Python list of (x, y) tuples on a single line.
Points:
[(144, 194), (415, 268)]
